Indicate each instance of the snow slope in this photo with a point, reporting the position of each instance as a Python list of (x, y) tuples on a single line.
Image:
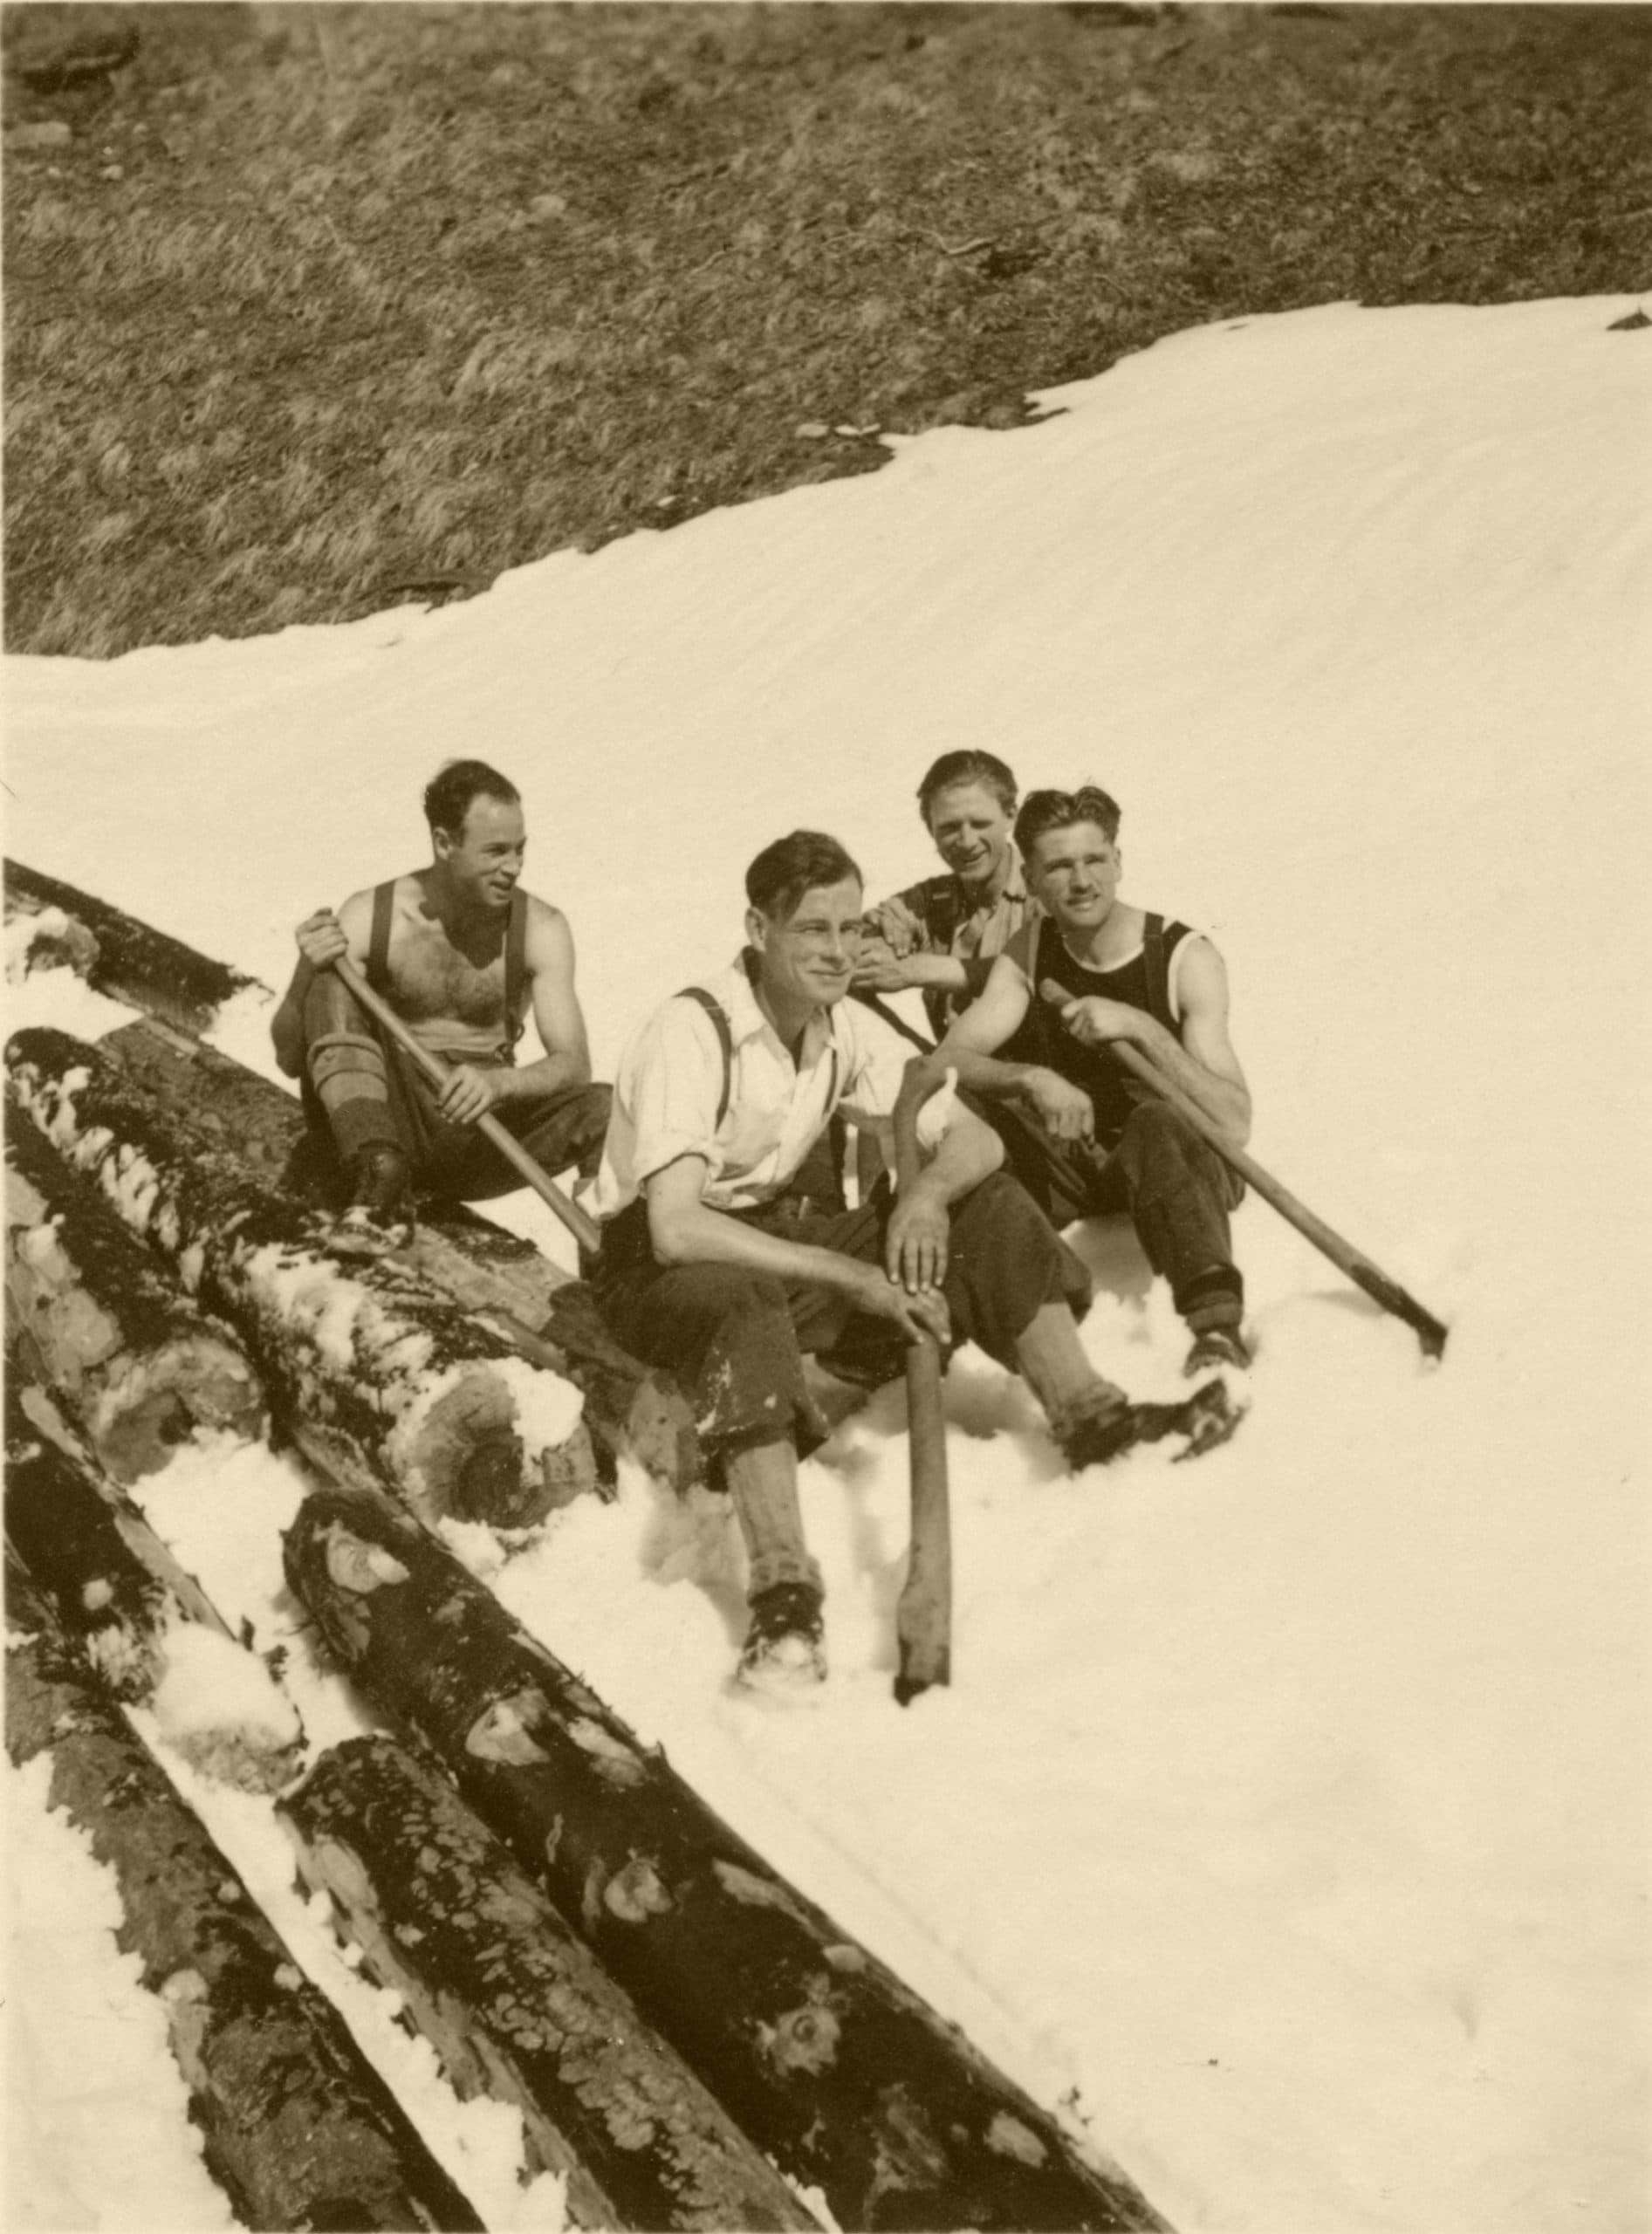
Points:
[(1287, 1816)]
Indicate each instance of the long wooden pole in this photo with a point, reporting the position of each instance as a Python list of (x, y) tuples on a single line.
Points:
[(923, 1617), (584, 1229), (1429, 1331)]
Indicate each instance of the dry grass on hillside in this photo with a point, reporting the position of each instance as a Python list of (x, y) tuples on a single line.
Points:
[(320, 302)]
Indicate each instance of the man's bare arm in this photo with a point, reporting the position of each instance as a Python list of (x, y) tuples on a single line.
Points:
[(548, 958), (684, 1229), (1201, 1062), (322, 939), (968, 1049)]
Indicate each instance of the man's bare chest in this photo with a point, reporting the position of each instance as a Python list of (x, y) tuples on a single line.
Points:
[(433, 978)]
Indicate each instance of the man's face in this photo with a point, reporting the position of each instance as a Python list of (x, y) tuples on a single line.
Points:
[(1075, 872), (483, 857), (971, 830), (809, 958)]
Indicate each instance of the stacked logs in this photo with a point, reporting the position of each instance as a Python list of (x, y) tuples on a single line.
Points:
[(837, 2070), (371, 1370), (690, 2041), (298, 2128)]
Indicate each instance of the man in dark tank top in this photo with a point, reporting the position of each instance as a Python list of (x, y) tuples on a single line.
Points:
[(464, 955), (1082, 1135)]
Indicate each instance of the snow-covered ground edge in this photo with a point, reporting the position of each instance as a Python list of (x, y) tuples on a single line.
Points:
[(1287, 1817)]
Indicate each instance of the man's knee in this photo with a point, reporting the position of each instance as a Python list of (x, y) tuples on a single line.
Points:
[(1159, 1142), (1007, 1262)]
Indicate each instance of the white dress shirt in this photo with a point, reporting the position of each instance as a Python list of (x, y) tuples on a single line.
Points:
[(670, 1080)]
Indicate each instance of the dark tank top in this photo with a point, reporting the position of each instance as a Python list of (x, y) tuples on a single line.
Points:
[(1143, 982)]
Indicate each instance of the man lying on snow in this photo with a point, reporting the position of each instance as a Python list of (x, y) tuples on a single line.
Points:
[(462, 953), (727, 1251), (945, 934), (1081, 1135)]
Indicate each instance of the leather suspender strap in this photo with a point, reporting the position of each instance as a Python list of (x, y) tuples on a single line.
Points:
[(718, 1015), (516, 969), (378, 970)]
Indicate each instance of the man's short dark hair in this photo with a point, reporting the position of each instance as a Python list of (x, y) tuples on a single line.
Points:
[(782, 873), (952, 768), (1045, 811), (449, 793)]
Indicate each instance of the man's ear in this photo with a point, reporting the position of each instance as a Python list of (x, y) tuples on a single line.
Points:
[(757, 930), (441, 842)]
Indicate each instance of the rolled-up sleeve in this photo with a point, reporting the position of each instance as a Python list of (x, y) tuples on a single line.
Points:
[(669, 1092), (877, 1064)]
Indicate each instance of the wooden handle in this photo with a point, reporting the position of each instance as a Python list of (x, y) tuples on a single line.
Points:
[(584, 1229), (923, 1618), (1359, 1268)]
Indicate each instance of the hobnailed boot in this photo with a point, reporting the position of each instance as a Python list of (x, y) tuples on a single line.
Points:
[(784, 1647), (1093, 1433), (1214, 1347), (379, 1208)]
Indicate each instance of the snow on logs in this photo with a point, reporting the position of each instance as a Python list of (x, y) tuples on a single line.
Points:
[(376, 1374), (103, 1321), (516, 2006), (298, 2130), (146, 1628), (839, 2073), (117, 955)]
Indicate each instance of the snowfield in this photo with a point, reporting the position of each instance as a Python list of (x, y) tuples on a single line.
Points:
[(1286, 1823)]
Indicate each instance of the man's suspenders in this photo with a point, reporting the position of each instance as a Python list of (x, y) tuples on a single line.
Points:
[(516, 950), (379, 943), (719, 1017), (515, 971)]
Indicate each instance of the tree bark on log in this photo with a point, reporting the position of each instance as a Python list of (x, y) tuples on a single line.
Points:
[(530, 1304), (299, 2131), (515, 2006), (95, 1316), (104, 1595), (120, 957), (118, 1595), (374, 1374), (846, 2079)]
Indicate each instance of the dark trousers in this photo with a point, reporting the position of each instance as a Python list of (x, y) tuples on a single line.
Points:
[(360, 1088), (1177, 1188), (736, 1339)]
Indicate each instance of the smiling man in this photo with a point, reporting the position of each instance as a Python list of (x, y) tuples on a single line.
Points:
[(1080, 1133), (728, 1250), (943, 935), (464, 954)]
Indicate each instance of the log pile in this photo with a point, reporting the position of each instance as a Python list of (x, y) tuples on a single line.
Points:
[(376, 1375), (96, 1317), (118, 956), (690, 2042), (835, 2069), (298, 2130), (517, 2005)]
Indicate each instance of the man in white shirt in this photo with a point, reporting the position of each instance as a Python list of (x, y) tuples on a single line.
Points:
[(727, 1251)]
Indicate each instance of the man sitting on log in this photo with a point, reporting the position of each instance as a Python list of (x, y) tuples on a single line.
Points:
[(727, 1251), (462, 953), (1082, 1135)]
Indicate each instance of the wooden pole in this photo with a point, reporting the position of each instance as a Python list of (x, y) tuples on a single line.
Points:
[(1429, 1331), (584, 1229), (923, 1617)]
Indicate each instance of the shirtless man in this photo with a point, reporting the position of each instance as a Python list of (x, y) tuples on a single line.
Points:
[(462, 954), (1081, 1135)]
